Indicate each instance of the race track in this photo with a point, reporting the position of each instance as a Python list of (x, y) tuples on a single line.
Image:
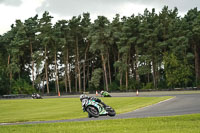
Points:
[(179, 105)]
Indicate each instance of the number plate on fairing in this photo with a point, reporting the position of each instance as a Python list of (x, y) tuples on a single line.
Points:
[(84, 102)]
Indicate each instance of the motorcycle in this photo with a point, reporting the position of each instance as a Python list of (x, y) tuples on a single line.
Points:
[(36, 96), (95, 109), (105, 94)]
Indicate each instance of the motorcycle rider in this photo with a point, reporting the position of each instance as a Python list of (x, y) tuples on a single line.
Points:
[(101, 93), (83, 96)]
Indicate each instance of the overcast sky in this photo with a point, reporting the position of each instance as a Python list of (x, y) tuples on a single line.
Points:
[(10, 10)]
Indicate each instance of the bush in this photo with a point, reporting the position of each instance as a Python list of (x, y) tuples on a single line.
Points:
[(21, 86), (113, 86), (96, 77), (122, 88), (148, 86), (198, 84), (4, 84), (134, 85), (62, 86), (162, 84)]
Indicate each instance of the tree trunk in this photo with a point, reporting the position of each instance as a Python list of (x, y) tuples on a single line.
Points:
[(136, 69), (65, 80), (56, 74), (127, 73), (78, 64), (109, 69), (120, 81), (104, 82), (197, 62), (10, 73), (84, 75), (127, 70), (127, 78), (9, 61), (88, 74), (115, 69), (76, 78), (68, 72), (32, 62), (149, 64), (43, 78), (104, 67), (154, 74), (46, 70)]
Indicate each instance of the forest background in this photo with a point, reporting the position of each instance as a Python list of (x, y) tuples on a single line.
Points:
[(148, 51)]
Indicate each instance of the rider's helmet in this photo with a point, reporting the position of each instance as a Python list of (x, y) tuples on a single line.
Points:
[(102, 92), (83, 96)]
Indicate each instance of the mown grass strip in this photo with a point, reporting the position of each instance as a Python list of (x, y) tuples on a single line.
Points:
[(172, 124), (64, 108)]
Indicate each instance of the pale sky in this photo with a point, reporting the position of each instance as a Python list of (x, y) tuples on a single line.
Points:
[(10, 10)]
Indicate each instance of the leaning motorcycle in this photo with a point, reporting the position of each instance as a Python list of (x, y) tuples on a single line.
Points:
[(36, 96), (95, 109), (105, 94)]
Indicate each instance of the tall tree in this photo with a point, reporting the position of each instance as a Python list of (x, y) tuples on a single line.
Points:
[(85, 27), (4, 72), (116, 28), (45, 36), (149, 31), (63, 33), (74, 25), (100, 41), (192, 19), (31, 27), (18, 45)]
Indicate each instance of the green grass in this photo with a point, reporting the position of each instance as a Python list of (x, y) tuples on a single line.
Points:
[(173, 124), (64, 108)]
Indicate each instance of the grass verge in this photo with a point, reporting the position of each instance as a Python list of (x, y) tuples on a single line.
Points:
[(172, 124), (21, 110)]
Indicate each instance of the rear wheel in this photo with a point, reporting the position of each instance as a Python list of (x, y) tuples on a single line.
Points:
[(92, 112)]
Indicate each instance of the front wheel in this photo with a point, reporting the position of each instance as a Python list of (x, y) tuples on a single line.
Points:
[(111, 112), (92, 111)]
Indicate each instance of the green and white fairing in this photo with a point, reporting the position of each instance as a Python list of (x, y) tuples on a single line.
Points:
[(99, 106)]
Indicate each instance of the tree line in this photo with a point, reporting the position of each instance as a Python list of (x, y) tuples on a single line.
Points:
[(148, 51)]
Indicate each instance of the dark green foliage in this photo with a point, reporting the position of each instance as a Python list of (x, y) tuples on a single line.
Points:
[(147, 51), (21, 86), (178, 73), (114, 86), (134, 84), (148, 86), (4, 86), (96, 77)]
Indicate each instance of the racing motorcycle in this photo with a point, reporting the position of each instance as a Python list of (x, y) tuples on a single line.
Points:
[(105, 94), (95, 109), (36, 96)]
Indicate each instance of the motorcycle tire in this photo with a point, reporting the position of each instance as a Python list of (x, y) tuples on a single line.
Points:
[(92, 111), (111, 112), (107, 96)]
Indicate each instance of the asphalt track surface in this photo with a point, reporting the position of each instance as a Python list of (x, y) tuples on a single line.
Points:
[(180, 104)]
